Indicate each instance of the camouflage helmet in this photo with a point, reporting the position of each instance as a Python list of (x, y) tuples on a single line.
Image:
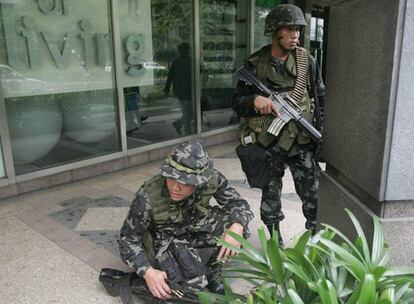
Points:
[(283, 15), (189, 164)]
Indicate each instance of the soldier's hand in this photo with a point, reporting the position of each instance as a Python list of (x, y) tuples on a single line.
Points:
[(224, 252), (156, 282), (264, 105)]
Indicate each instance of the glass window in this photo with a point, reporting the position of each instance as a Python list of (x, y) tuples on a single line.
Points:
[(56, 71), (318, 35), (157, 69), (223, 35), (316, 39), (2, 169), (262, 8)]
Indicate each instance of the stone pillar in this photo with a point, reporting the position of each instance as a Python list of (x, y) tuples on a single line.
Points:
[(369, 123)]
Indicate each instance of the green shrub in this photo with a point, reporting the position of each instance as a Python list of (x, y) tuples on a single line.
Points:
[(319, 270)]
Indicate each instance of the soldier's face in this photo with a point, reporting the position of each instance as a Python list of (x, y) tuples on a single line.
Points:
[(287, 37), (179, 191)]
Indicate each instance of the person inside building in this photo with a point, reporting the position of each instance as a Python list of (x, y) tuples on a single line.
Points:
[(133, 117), (179, 76), (286, 68), (172, 217)]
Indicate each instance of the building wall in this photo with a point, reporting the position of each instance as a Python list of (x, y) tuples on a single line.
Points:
[(367, 125)]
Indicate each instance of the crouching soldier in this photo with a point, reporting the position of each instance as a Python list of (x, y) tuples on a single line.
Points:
[(171, 218)]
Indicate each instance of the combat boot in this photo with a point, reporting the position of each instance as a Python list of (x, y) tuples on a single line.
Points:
[(276, 228)]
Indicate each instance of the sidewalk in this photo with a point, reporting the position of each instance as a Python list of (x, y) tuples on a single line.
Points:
[(54, 242)]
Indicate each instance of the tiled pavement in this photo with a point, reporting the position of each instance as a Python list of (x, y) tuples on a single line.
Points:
[(54, 242)]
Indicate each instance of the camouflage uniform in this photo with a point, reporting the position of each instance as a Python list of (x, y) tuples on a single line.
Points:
[(179, 229), (292, 147)]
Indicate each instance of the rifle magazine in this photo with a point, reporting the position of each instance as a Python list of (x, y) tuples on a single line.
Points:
[(276, 126)]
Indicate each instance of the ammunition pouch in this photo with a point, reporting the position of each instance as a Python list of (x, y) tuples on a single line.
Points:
[(181, 264), (255, 162), (259, 126)]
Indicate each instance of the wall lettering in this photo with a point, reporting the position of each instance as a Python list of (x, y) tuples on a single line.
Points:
[(26, 42), (60, 57), (31, 41), (13, 53), (49, 7), (135, 47), (87, 39), (102, 40)]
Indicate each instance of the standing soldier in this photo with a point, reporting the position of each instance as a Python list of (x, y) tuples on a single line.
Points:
[(286, 68), (171, 217)]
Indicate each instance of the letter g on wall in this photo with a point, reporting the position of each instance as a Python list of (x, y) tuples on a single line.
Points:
[(135, 46)]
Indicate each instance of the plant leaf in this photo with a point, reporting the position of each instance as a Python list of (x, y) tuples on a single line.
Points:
[(368, 287), (303, 261), (263, 240), (400, 291), (254, 263), (275, 259), (297, 270), (247, 247), (347, 241), (387, 296), (293, 298), (378, 272), (361, 234), (378, 245), (356, 265), (399, 271), (327, 292), (228, 292), (300, 245), (208, 298)]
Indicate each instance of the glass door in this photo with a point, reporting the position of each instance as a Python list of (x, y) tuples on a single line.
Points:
[(157, 69), (223, 43)]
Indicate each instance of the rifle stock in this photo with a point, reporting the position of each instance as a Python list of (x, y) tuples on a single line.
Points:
[(285, 105)]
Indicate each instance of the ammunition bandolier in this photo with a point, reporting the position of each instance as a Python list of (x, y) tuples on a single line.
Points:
[(296, 83)]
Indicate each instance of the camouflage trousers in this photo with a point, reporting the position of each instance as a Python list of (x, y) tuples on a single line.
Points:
[(180, 255), (305, 171)]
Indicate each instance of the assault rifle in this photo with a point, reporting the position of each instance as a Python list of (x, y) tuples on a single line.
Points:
[(285, 105), (123, 284)]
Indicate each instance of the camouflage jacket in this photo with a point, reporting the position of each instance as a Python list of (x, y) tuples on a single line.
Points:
[(140, 220)]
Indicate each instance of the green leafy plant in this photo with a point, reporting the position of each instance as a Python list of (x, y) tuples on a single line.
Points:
[(319, 270)]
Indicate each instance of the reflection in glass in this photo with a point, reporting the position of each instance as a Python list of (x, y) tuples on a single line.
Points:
[(158, 106), (57, 80), (223, 34), (316, 40), (133, 117), (179, 76), (262, 8)]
